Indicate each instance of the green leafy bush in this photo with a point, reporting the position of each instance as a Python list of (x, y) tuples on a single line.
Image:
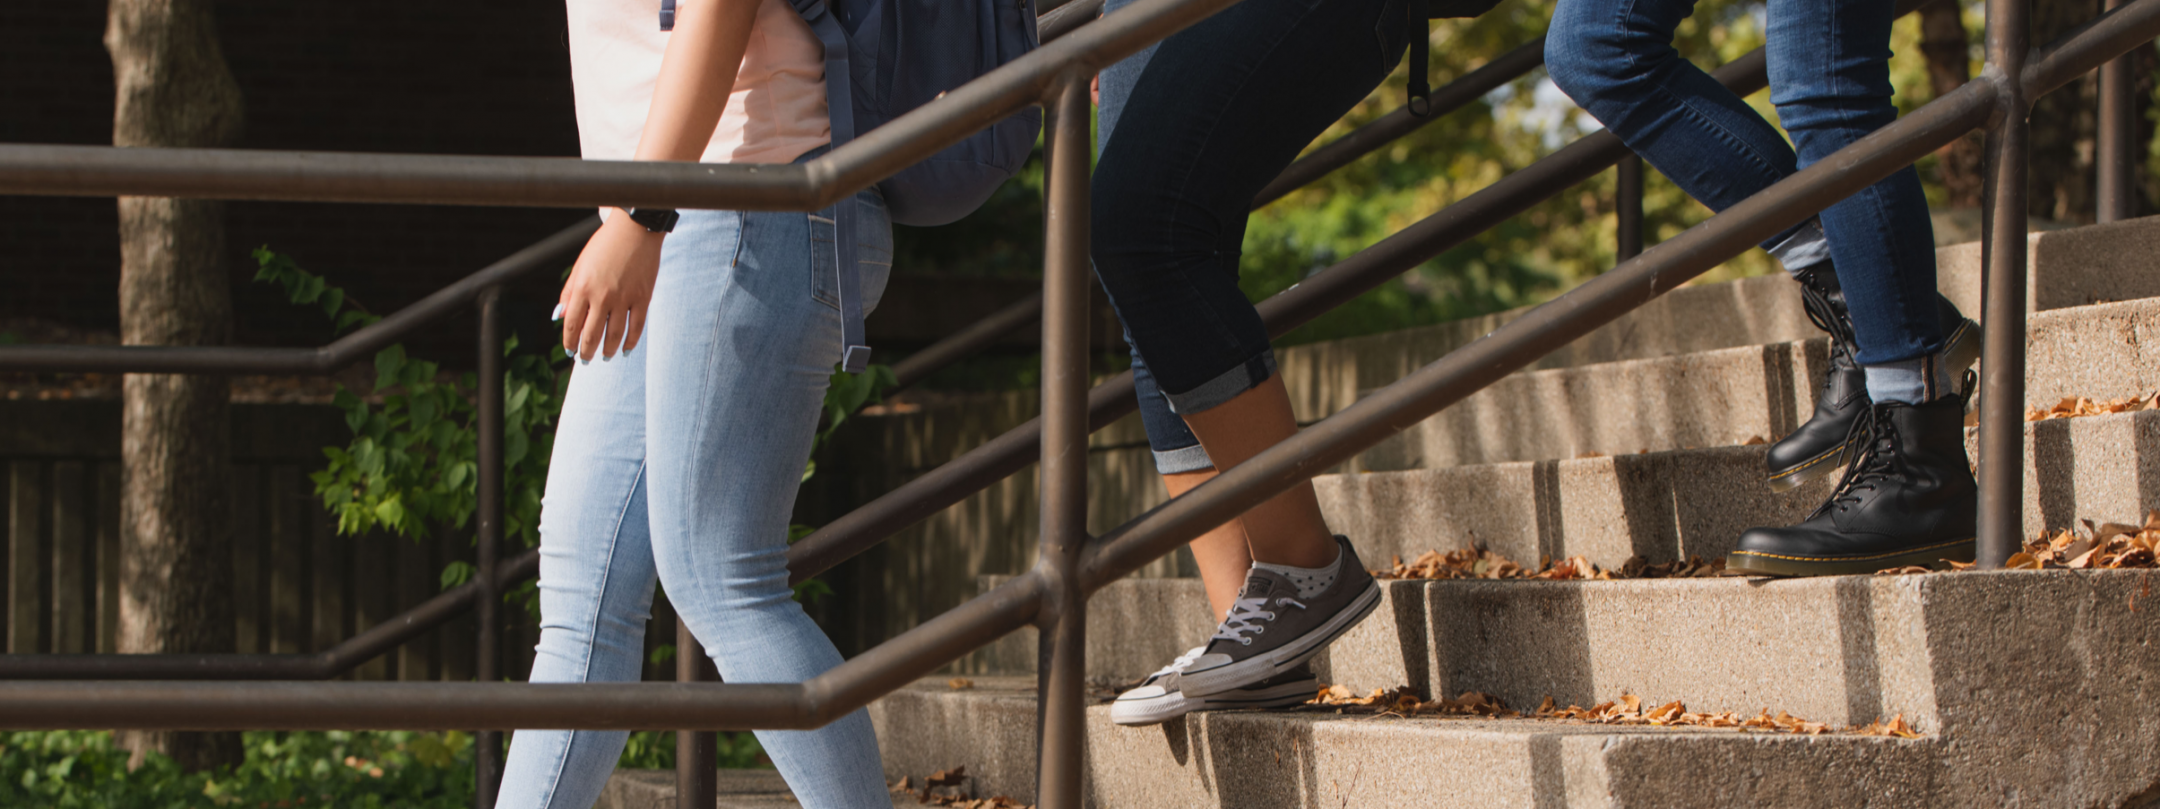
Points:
[(412, 462), (364, 770), (655, 750)]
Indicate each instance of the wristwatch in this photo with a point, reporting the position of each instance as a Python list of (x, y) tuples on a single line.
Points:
[(656, 220)]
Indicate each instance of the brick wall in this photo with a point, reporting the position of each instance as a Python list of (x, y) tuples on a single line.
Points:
[(362, 75)]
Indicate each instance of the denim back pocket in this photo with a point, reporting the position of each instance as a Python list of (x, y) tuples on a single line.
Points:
[(873, 240)]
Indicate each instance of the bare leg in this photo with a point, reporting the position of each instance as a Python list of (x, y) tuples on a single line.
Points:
[(1286, 530), (1222, 553)]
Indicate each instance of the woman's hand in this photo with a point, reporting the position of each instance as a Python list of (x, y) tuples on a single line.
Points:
[(610, 288)]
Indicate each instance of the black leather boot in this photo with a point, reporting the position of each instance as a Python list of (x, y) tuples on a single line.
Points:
[(1819, 447), (1907, 499)]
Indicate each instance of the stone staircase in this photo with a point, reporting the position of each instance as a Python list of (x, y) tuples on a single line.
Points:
[(2030, 688), (2038, 689)]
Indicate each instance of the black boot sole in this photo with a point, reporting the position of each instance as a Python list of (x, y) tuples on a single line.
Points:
[(1764, 564), (1821, 466)]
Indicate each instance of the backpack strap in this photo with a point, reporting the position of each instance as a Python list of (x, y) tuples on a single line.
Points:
[(840, 108), (1420, 57)]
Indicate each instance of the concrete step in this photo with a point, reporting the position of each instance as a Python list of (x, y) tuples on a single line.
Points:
[(2030, 686), (1730, 396), (2067, 268), (738, 789), (1674, 505), (1661, 506)]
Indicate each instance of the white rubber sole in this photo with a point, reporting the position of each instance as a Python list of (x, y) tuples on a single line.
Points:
[(1159, 709), (1203, 682)]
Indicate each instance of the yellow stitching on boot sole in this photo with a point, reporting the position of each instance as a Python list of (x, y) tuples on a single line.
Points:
[(1837, 450), (1848, 558)]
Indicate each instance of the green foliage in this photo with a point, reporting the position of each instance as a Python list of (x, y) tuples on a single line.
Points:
[(412, 462), (365, 770), (655, 750)]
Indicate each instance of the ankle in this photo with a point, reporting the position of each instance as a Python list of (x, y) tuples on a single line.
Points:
[(1310, 581), (1914, 381)]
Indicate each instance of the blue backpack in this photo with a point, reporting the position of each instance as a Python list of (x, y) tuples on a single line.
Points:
[(884, 58)]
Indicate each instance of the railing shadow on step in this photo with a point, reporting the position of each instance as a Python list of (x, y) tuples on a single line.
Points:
[(1053, 595)]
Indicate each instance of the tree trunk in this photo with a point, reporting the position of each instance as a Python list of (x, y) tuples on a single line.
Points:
[(173, 89), (1948, 49)]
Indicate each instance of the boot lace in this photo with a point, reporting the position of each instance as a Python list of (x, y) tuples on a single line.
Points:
[(1823, 312), (1247, 615), (1870, 456)]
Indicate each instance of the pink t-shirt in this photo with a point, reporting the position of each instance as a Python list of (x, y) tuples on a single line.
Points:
[(775, 114)]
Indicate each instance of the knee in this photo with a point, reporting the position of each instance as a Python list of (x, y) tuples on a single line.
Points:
[(1598, 63), (1827, 123)]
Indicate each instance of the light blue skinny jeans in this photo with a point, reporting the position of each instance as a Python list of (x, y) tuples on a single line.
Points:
[(679, 462)]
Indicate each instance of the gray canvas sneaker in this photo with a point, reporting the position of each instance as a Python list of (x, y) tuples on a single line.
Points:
[(1271, 630), (1158, 698)]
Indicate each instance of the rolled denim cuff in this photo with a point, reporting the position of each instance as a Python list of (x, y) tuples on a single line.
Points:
[(1189, 459), (1805, 248), (1226, 386)]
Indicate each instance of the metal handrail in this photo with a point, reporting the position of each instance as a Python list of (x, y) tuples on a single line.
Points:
[(1000, 457), (364, 342), (1304, 171), (1012, 604), (334, 662), (1055, 592), (240, 174)]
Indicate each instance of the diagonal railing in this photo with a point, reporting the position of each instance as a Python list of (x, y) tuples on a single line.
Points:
[(450, 300), (1054, 594)]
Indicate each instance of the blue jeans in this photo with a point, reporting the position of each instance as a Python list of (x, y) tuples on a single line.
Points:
[(1830, 79), (1176, 448), (1196, 129), (679, 462)]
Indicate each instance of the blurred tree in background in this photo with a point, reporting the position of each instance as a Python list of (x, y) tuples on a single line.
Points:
[(1567, 239)]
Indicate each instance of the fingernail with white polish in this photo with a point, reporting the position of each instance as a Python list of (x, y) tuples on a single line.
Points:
[(558, 312)]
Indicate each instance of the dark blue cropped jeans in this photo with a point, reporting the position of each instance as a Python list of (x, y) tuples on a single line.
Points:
[(1830, 79), (1195, 129)]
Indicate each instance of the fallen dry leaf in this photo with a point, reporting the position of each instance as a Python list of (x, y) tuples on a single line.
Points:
[(1474, 563), (960, 683), (2076, 406), (1896, 727), (1908, 570), (947, 778), (952, 779), (1406, 702), (2093, 546)]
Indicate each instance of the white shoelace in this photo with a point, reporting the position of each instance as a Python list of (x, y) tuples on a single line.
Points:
[(1182, 662), (1246, 615)]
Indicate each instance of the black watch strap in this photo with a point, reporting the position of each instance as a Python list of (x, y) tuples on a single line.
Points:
[(657, 220)]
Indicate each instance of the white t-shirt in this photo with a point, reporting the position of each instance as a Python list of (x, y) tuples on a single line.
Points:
[(775, 114)]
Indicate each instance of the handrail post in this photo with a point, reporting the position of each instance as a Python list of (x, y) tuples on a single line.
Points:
[(697, 785), (1627, 205), (1062, 671), (487, 667), (2002, 365), (2116, 195)]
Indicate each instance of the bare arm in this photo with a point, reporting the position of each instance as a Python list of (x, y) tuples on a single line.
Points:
[(605, 300)]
